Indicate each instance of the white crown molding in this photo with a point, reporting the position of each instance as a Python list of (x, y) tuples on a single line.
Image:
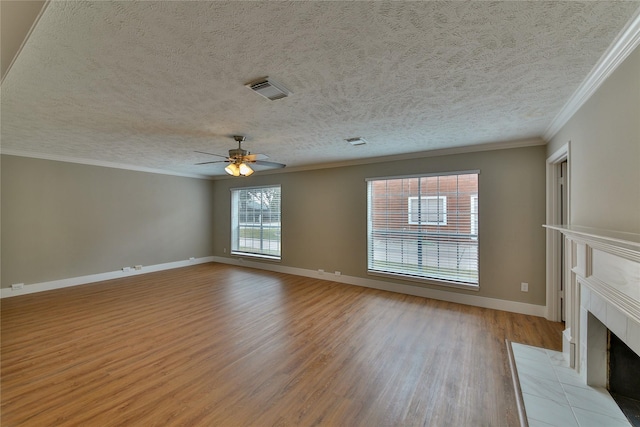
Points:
[(504, 145), (100, 163), (620, 49), (459, 298), (93, 278), (33, 25)]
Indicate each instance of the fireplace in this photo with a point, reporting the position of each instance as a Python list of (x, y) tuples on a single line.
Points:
[(610, 363), (603, 309), (624, 378)]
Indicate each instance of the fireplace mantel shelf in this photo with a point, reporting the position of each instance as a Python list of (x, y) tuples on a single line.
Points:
[(608, 263), (628, 239)]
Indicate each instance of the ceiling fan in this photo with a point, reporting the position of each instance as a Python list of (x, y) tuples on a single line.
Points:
[(239, 160)]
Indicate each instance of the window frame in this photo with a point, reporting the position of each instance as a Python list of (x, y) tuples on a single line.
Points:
[(236, 248)]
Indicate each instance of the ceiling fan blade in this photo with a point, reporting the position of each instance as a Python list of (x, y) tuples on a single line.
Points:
[(269, 164), (211, 154), (254, 157), (208, 163)]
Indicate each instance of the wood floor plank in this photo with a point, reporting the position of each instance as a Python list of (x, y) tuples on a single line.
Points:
[(214, 344)]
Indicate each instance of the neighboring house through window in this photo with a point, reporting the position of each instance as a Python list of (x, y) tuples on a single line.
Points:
[(430, 210)]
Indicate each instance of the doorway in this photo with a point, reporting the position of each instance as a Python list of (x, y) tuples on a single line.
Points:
[(564, 218), (558, 213)]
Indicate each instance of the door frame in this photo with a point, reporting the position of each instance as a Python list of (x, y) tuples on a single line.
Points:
[(554, 237)]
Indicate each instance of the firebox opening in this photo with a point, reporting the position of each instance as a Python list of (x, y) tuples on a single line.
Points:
[(624, 378)]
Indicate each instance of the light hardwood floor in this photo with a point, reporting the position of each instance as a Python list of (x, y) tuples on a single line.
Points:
[(217, 345)]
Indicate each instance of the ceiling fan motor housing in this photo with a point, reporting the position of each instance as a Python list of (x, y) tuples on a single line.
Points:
[(236, 153)]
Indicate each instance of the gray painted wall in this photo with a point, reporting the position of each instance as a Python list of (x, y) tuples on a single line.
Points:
[(63, 220), (324, 217), (605, 153)]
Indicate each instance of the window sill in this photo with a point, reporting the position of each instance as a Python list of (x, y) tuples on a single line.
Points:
[(437, 282), (257, 256)]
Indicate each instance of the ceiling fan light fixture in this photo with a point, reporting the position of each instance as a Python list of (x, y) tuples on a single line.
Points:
[(245, 170), (239, 160), (232, 169), (269, 88)]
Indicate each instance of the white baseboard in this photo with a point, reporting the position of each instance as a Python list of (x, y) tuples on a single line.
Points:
[(92, 278), (474, 300)]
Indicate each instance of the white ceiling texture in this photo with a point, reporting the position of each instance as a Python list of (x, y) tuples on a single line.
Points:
[(146, 84)]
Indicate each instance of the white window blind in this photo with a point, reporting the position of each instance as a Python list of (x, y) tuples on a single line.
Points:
[(474, 215), (255, 222), (424, 227)]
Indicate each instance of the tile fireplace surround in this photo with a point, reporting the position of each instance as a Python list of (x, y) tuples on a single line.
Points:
[(602, 292)]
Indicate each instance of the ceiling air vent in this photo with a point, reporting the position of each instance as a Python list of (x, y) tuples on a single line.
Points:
[(356, 141), (268, 88)]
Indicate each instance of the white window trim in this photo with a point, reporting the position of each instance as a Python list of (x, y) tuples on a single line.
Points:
[(234, 230), (444, 210)]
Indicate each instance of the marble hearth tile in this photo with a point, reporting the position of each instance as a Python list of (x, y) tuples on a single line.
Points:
[(528, 352), (579, 405), (536, 423), (537, 369), (548, 411), (548, 389), (593, 419), (594, 400), (557, 358), (568, 376)]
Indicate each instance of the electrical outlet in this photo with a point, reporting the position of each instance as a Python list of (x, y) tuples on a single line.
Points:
[(320, 271), (126, 269), (224, 251), (524, 287), (17, 286), (338, 273)]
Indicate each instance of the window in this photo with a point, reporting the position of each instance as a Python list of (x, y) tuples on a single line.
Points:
[(424, 227), (432, 210), (255, 221)]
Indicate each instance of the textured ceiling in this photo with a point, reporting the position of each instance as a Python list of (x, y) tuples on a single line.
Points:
[(148, 83)]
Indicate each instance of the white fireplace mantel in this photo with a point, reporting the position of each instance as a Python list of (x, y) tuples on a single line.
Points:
[(603, 283), (615, 238)]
